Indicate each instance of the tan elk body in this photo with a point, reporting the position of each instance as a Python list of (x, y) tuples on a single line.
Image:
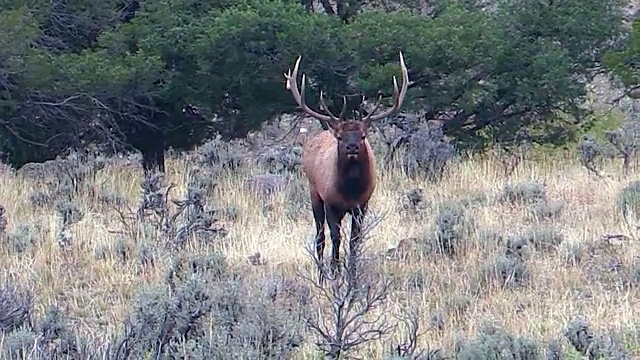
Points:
[(321, 165), (340, 166)]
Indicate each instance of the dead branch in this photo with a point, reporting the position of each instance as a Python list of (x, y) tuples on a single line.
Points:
[(408, 349), (354, 297)]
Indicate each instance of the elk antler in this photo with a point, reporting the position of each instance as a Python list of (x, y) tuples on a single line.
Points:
[(324, 107), (298, 95), (399, 95)]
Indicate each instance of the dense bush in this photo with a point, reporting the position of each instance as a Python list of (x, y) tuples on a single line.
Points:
[(427, 153), (206, 311), (628, 203), (495, 343), (115, 85), (523, 193)]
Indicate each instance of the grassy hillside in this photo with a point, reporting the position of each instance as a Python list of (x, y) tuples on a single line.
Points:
[(527, 258)]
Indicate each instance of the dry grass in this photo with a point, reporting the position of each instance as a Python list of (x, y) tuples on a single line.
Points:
[(97, 294)]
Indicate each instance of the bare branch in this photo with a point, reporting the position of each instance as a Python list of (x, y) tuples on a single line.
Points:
[(60, 103), (409, 348), (353, 314), (629, 92)]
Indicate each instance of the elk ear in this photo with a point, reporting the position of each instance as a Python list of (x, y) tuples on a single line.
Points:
[(335, 131), (334, 125), (365, 130)]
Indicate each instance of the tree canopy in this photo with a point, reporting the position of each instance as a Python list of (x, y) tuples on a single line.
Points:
[(149, 75), (624, 63)]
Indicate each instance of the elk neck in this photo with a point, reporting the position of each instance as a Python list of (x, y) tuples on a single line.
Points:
[(354, 177)]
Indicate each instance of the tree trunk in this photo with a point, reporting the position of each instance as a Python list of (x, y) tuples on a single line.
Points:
[(153, 155), (150, 141)]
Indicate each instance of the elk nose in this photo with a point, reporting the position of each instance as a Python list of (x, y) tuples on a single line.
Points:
[(352, 148)]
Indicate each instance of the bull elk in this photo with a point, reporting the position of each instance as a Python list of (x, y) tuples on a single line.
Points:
[(339, 165)]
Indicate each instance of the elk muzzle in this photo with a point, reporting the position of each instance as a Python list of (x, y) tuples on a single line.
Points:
[(352, 151)]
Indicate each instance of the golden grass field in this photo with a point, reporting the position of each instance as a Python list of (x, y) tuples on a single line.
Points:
[(98, 294)]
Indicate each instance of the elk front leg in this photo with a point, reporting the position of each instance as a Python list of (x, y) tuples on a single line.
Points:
[(357, 219), (317, 206), (334, 218), (355, 242)]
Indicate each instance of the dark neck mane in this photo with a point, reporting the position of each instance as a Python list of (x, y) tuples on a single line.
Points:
[(353, 175)]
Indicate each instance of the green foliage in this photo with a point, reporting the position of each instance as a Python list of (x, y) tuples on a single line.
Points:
[(124, 74), (446, 54), (20, 67), (598, 123), (243, 52), (490, 69), (624, 62), (70, 26), (96, 72), (17, 31)]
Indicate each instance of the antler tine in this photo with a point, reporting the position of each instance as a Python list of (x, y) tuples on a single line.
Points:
[(377, 107), (298, 95), (398, 94), (344, 107), (325, 108), (287, 76)]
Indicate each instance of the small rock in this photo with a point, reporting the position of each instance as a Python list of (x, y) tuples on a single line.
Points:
[(256, 260), (266, 184), (404, 248)]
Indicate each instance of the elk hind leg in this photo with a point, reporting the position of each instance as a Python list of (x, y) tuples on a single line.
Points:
[(355, 241)]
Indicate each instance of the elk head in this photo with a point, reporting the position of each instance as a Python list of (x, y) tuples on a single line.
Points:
[(350, 134)]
